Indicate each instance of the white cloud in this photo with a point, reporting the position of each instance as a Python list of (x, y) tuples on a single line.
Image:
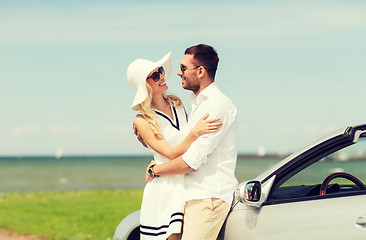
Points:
[(25, 130), (118, 129), (138, 23), (285, 129), (57, 129), (319, 129), (53, 129)]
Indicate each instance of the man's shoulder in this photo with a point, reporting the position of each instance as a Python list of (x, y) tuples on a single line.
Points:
[(219, 98), (220, 106)]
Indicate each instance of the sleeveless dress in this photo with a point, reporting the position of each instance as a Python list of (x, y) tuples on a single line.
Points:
[(163, 200)]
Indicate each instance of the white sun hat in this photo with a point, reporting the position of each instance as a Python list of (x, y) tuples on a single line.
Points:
[(138, 71)]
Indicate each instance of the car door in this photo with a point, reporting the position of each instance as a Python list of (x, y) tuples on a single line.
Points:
[(323, 218), (295, 209)]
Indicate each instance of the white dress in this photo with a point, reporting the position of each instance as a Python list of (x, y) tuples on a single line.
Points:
[(163, 200)]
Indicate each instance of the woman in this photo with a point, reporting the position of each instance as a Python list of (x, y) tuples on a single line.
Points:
[(161, 123)]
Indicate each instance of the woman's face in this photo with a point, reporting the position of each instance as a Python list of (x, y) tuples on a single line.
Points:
[(158, 85)]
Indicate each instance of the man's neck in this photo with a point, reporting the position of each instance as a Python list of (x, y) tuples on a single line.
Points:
[(204, 85)]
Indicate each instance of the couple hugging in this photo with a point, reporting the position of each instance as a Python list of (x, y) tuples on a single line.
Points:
[(190, 182)]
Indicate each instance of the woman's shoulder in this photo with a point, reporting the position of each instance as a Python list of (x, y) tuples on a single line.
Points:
[(139, 120)]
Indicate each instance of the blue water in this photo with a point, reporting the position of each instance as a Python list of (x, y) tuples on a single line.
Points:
[(91, 173)]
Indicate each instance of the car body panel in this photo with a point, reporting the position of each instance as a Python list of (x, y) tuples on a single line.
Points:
[(315, 217), (127, 226), (241, 223), (336, 215), (323, 218)]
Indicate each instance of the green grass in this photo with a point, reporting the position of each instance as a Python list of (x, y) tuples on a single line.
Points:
[(68, 215)]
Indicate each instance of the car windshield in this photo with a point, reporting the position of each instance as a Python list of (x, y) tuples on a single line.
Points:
[(350, 160)]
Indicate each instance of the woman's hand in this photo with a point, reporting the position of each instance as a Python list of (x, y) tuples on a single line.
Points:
[(205, 126)]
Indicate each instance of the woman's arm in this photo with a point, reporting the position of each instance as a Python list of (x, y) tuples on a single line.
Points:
[(160, 145)]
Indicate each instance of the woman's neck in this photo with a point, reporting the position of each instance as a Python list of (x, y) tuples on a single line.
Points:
[(161, 104), (158, 102)]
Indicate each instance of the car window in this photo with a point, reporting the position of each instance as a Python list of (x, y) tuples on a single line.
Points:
[(351, 160)]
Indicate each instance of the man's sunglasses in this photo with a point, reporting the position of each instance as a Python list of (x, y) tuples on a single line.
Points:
[(183, 68), (156, 75)]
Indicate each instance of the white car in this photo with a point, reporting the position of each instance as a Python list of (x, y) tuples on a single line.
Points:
[(316, 193)]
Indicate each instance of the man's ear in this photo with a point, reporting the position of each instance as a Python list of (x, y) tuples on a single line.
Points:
[(201, 72)]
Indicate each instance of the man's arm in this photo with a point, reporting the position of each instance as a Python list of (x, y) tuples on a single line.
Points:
[(197, 154), (176, 166), (161, 146)]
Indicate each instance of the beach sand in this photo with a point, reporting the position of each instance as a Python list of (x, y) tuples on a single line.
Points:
[(7, 235)]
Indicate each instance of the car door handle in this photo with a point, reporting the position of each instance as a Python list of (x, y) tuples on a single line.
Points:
[(361, 221)]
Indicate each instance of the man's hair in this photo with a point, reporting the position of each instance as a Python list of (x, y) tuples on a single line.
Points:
[(206, 56)]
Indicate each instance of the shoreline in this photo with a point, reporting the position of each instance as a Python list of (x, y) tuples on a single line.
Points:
[(240, 156)]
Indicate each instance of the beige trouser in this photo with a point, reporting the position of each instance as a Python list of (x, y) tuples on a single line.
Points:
[(203, 218)]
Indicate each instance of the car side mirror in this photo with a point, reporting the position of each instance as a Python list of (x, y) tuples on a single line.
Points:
[(249, 192)]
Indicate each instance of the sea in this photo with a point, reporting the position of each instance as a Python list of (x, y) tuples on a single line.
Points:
[(37, 174)]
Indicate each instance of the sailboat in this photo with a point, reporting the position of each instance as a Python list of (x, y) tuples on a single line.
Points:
[(261, 150), (59, 153)]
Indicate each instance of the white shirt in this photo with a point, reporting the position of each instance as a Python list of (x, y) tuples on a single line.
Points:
[(212, 156)]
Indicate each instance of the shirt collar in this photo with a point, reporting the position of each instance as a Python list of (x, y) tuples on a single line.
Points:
[(204, 94)]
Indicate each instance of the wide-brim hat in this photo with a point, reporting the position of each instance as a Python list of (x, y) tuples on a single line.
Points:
[(138, 71)]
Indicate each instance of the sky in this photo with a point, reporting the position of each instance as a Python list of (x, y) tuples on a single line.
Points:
[(294, 69)]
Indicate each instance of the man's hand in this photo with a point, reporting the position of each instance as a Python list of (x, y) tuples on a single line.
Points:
[(138, 135), (148, 178)]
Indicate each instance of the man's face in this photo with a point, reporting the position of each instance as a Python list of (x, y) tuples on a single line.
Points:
[(189, 77)]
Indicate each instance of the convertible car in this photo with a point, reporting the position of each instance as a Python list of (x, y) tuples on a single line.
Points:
[(316, 193)]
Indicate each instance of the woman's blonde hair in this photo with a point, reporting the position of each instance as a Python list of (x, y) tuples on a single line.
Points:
[(149, 113)]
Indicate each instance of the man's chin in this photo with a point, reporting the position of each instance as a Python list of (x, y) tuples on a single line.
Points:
[(185, 86)]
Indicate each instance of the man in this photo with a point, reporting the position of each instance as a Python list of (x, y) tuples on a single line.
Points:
[(209, 163)]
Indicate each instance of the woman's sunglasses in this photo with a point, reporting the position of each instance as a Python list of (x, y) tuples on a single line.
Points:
[(156, 75)]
